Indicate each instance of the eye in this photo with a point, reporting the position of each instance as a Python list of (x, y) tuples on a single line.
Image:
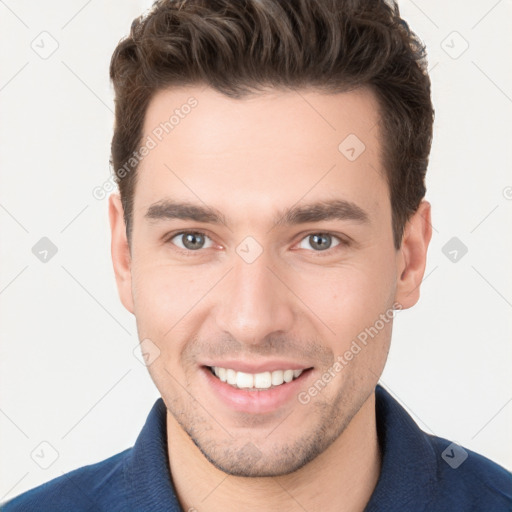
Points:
[(319, 242), (191, 240)]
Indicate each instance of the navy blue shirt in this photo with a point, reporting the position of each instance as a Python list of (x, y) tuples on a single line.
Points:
[(419, 473)]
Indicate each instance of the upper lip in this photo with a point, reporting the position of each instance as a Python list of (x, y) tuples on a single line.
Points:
[(258, 367)]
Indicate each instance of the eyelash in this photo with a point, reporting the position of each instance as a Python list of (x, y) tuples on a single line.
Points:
[(343, 242)]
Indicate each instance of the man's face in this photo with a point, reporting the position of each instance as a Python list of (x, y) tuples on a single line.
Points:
[(262, 243)]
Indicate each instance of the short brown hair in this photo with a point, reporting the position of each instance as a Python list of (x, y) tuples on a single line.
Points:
[(240, 47)]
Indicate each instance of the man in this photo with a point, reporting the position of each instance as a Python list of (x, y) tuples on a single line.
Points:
[(270, 157)]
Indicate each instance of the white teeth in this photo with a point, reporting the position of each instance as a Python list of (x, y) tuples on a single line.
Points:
[(244, 380), (231, 375), (222, 374), (277, 378), (262, 380), (288, 375)]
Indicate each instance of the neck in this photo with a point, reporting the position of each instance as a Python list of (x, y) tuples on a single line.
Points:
[(341, 479)]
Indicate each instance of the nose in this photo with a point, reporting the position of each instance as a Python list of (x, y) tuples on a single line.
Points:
[(254, 303)]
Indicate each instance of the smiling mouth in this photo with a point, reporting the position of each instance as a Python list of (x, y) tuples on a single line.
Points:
[(256, 381)]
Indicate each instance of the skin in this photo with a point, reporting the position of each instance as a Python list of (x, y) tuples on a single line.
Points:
[(252, 159)]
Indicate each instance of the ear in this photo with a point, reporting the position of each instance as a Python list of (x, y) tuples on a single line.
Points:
[(412, 256), (121, 257)]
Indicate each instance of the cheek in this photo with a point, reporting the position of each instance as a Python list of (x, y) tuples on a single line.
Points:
[(349, 299), (170, 302), (167, 305), (162, 296)]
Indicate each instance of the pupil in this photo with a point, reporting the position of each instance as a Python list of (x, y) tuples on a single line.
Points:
[(320, 242), (193, 240)]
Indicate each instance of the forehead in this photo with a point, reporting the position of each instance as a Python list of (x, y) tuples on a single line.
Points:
[(269, 148)]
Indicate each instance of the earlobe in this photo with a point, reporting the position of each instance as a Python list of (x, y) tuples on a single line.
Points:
[(412, 256), (120, 249)]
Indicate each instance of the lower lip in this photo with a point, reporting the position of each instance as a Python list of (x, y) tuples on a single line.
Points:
[(255, 402)]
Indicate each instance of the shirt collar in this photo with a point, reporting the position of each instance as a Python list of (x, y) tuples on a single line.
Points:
[(407, 476), (146, 470), (409, 465)]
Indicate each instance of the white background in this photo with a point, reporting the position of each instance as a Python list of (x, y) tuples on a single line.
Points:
[(68, 375)]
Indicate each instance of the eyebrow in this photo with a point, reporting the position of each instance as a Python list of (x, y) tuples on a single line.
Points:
[(335, 209), (167, 210)]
